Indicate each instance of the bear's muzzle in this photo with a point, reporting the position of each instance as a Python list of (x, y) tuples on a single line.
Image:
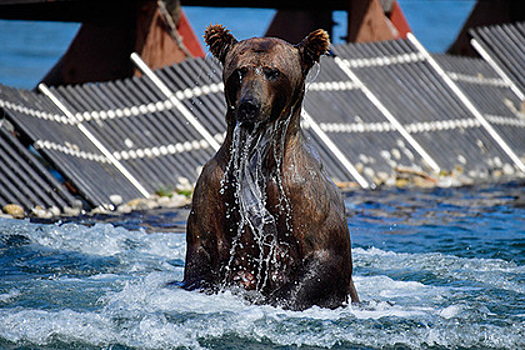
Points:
[(248, 110)]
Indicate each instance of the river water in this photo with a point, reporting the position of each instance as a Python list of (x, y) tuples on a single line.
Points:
[(436, 269)]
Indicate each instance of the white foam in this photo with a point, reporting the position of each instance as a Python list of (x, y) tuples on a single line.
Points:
[(43, 328), (451, 311), (132, 305), (491, 272), (9, 296), (103, 239)]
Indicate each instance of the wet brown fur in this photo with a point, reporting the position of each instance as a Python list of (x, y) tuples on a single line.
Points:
[(314, 262)]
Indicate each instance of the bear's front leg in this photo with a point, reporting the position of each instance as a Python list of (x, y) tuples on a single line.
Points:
[(202, 267), (321, 281), (205, 239), (197, 271)]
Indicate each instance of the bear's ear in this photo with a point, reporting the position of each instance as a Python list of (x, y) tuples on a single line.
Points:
[(313, 46), (220, 41)]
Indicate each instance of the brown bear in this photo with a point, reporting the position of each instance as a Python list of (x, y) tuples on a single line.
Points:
[(265, 216)]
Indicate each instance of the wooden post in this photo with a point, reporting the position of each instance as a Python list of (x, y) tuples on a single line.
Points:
[(294, 25), (367, 22), (100, 51)]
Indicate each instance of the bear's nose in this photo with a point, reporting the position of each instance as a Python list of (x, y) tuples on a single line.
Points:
[(248, 109)]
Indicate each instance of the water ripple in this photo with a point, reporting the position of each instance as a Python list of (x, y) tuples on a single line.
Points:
[(436, 270)]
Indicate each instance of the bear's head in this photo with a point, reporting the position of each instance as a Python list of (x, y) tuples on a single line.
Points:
[(264, 78)]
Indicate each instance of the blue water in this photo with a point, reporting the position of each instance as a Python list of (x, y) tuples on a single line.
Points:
[(28, 50), (436, 269)]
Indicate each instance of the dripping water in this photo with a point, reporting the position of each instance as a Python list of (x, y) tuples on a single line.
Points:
[(313, 74), (248, 172)]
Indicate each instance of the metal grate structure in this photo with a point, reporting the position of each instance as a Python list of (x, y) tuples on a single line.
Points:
[(143, 130), (493, 96), (60, 141), (369, 110), (503, 46), (23, 178), (424, 105), (345, 113)]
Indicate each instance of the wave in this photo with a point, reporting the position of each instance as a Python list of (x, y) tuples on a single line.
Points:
[(122, 298), (147, 315)]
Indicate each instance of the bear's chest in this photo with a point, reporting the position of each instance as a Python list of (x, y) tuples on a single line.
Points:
[(258, 263)]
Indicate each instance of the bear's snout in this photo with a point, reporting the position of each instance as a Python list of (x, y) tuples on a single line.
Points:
[(248, 110)]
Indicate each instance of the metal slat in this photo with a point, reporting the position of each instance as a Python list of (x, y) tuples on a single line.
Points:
[(83, 177), (157, 132), (207, 107), (404, 97), (190, 74), (41, 131), (202, 155), (340, 104), (102, 103), (457, 103), (11, 193), (490, 93), (21, 104), (332, 106), (23, 175), (428, 92), (453, 111), (78, 101), (423, 100), (17, 187), (187, 133), (169, 94), (151, 172), (87, 172), (357, 145), (507, 57), (332, 166), (95, 141), (389, 116), (181, 132), (59, 196), (511, 47), (349, 167), (465, 100)]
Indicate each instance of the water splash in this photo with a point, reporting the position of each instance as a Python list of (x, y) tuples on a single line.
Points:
[(419, 290), (248, 171), (313, 74)]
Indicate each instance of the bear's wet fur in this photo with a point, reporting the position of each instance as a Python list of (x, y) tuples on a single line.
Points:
[(265, 216)]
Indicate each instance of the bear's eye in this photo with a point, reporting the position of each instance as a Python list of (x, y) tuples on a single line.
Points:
[(271, 73), (241, 72)]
